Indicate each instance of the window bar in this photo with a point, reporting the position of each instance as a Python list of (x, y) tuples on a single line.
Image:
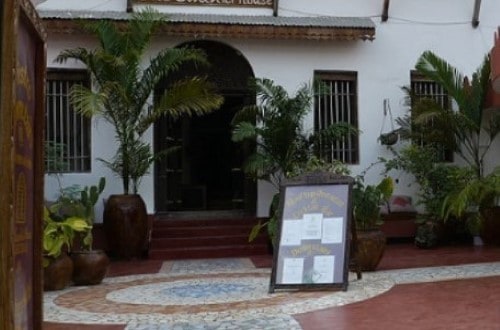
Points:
[(66, 128), (341, 150), (330, 109), (59, 127), (347, 137), (334, 145), (81, 138)]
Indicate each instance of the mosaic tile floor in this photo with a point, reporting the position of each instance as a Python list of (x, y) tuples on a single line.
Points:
[(222, 294)]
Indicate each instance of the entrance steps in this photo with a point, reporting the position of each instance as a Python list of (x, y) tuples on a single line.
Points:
[(195, 238)]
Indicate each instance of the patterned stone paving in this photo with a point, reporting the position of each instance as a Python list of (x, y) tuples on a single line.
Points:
[(222, 294)]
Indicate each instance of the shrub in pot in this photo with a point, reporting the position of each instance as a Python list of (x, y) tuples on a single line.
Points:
[(89, 265), (283, 148), (58, 235), (371, 241)]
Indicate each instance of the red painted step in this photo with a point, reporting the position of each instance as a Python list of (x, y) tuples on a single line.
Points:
[(205, 238)]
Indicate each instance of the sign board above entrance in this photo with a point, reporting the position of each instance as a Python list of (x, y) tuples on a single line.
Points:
[(229, 3)]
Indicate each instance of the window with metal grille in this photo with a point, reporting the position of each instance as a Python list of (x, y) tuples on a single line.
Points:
[(67, 133), (422, 87), (338, 104)]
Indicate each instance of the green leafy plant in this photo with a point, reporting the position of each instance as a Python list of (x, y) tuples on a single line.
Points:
[(435, 179), (472, 198), (275, 125), (121, 88), (283, 149), (59, 233), (367, 200), (77, 201), (462, 126)]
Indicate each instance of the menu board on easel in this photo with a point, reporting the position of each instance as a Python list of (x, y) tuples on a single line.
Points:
[(312, 249)]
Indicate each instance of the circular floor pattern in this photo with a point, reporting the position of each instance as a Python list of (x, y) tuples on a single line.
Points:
[(237, 300), (193, 292)]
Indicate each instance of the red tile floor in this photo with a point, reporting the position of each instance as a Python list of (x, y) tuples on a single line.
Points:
[(455, 304)]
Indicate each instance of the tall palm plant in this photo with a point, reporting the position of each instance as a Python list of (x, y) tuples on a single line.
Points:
[(122, 88), (461, 126), (283, 148), (276, 125)]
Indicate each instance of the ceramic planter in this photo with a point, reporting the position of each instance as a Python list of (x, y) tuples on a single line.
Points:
[(125, 224), (89, 267)]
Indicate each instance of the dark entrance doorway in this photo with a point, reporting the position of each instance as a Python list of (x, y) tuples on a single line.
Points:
[(205, 172)]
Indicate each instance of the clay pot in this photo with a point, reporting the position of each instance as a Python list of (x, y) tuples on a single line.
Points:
[(125, 223), (89, 267), (57, 275), (370, 249)]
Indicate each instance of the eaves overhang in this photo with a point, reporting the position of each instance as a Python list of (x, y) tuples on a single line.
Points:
[(225, 26)]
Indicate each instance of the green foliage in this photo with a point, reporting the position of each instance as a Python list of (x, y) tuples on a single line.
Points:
[(275, 124), (54, 157), (283, 150), (58, 233), (461, 126), (367, 200), (472, 197), (79, 202), (121, 88), (436, 180)]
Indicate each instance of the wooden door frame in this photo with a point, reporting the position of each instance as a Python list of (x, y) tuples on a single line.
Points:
[(12, 243)]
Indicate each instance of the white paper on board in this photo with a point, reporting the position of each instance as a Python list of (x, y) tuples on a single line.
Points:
[(293, 269), (291, 232), (333, 230), (323, 269), (312, 225)]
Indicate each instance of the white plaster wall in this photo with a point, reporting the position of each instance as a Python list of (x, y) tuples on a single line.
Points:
[(383, 66)]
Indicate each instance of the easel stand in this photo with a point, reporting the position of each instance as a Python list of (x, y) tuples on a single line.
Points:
[(353, 261)]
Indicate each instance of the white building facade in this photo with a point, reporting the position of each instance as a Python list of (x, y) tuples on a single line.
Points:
[(366, 47)]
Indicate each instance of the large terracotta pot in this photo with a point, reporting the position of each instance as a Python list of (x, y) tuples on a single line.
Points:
[(89, 267), (125, 224), (371, 247), (57, 275)]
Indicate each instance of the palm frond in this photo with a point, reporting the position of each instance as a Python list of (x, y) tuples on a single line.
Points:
[(249, 113), (86, 101), (166, 62), (194, 96), (440, 71), (243, 131)]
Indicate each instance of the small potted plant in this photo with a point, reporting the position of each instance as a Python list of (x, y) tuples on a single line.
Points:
[(371, 241), (58, 236), (90, 265)]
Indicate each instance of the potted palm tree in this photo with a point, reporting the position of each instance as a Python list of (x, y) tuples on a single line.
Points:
[(463, 126), (283, 147), (120, 94), (89, 265)]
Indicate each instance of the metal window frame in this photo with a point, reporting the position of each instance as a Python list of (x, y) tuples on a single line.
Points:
[(346, 151), (77, 162)]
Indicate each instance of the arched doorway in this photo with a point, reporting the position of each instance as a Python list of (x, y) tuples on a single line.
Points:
[(205, 173)]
